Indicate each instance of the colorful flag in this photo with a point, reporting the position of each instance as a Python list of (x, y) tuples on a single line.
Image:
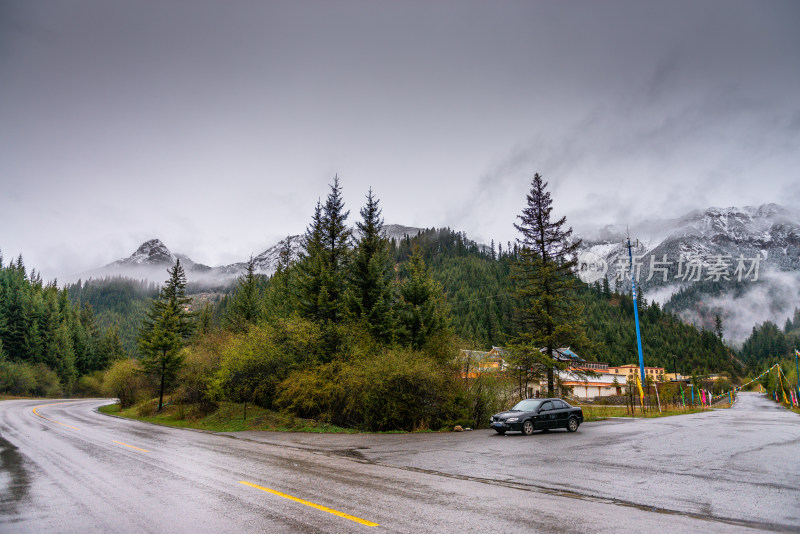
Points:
[(641, 392)]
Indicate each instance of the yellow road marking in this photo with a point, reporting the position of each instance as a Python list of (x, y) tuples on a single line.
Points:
[(51, 420), (131, 446), (311, 504)]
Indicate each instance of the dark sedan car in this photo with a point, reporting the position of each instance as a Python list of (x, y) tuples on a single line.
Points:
[(538, 414)]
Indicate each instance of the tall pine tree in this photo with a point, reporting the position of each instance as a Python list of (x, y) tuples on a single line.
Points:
[(246, 306), (278, 297), (548, 311), (324, 260), (371, 288), (165, 330), (421, 310)]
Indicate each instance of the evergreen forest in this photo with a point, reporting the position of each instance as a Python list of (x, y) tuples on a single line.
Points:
[(360, 331)]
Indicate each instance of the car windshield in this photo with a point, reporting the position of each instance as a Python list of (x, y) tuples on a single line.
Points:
[(528, 405)]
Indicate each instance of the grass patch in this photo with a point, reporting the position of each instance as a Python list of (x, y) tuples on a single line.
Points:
[(672, 411), (599, 412), (15, 397), (593, 412), (226, 418)]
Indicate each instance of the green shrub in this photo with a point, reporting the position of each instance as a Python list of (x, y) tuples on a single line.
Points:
[(90, 385), (202, 362), (391, 390), (125, 381), (47, 382), (16, 378), (147, 408), (254, 363), (25, 379)]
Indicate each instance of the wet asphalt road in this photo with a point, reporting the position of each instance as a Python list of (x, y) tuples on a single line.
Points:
[(71, 469)]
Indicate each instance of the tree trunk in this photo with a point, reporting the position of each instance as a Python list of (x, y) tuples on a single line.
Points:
[(163, 374)]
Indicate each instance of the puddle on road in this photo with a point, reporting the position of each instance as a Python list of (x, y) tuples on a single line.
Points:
[(14, 481)]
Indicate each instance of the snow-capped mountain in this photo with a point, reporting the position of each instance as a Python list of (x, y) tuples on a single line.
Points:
[(398, 231), (152, 259), (754, 252), (711, 237), (152, 252), (149, 262), (267, 262)]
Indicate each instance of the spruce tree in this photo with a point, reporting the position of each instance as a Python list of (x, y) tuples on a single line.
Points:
[(323, 264), (279, 300), (310, 268), (245, 307), (371, 290), (718, 326), (16, 311), (85, 340), (421, 310), (548, 312), (205, 319), (110, 349), (61, 357), (165, 330)]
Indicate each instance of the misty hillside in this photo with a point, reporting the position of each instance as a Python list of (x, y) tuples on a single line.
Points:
[(742, 264), (476, 286), (151, 260)]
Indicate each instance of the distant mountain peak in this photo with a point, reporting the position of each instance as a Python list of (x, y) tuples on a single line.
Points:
[(151, 252)]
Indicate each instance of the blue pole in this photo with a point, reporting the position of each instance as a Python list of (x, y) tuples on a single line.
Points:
[(797, 372), (636, 313)]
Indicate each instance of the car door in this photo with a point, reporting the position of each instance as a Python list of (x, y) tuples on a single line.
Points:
[(562, 413), (546, 417)]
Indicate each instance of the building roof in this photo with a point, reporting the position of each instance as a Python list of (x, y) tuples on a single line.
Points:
[(564, 354)]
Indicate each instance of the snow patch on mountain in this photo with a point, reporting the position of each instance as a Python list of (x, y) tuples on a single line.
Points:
[(763, 240), (287, 250), (150, 252)]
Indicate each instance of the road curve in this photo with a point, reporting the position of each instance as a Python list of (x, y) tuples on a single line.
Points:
[(64, 467)]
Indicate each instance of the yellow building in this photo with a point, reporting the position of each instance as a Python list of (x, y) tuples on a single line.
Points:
[(675, 377), (474, 363), (625, 370)]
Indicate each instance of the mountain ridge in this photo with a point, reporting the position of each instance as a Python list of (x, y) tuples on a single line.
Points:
[(712, 242), (151, 259), (743, 264)]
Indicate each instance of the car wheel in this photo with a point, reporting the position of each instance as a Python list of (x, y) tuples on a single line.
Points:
[(527, 427), (501, 432), (572, 424)]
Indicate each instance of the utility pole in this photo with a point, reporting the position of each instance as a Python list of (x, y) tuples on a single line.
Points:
[(636, 310)]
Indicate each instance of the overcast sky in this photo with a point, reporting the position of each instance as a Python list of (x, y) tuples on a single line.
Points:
[(216, 125)]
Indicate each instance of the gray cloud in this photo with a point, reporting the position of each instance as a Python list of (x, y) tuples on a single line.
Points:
[(215, 127)]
